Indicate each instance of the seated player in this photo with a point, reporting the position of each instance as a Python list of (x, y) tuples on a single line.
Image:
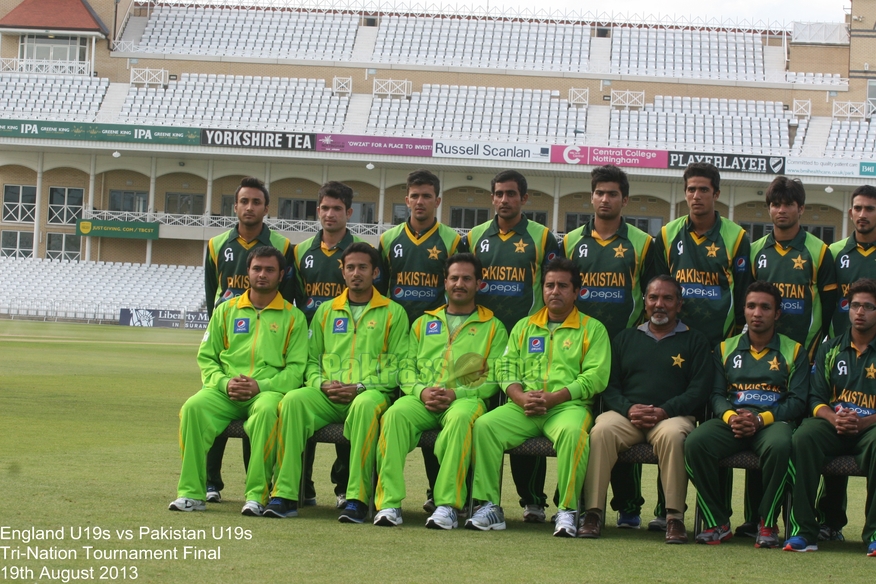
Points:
[(250, 356), (355, 341), (556, 362), (843, 418), (761, 384), (651, 399), (448, 377)]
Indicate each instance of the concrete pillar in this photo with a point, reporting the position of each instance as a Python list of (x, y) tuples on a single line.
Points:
[(673, 201), (89, 204), (847, 204), (439, 212), (208, 203), (381, 200), (556, 218), (731, 203), (152, 176), (38, 208)]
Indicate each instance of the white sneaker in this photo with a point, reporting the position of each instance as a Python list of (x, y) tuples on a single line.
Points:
[(252, 509), (186, 504), (213, 495), (388, 517), (341, 501), (444, 517), (533, 514), (565, 524), (488, 517)]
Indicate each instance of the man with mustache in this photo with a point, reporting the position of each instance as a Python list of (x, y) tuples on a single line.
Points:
[(514, 252), (654, 400), (449, 375), (356, 341), (413, 256), (225, 276), (760, 389)]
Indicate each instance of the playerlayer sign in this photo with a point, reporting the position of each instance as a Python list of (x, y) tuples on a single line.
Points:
[(597, 156), (391, 146), (98, 132), (487, 150), (253, 139), (120, 229), (731, 162)]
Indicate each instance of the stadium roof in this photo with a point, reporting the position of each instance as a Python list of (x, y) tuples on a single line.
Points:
[(54, 15)]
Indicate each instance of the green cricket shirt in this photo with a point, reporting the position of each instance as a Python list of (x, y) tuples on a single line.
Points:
[(612, 271), (513, 264), (320, 272), (844, 377), (853, 261)]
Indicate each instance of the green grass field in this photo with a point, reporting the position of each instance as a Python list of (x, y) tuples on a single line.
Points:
[(88, 416)]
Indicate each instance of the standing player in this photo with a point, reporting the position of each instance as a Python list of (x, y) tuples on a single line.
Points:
[(612, 257), (249, 357), (514, 251), (413, 256), (356, 343), (799, 264), (853, 262), (225, 276), (841, 400), (321, 279), (449, 375)]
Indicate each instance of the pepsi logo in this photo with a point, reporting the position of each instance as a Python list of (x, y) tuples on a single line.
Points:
[(844, 305), (241, 323), (311, 303), (398, 292), (483, 286), (552, 255), (584, 294)]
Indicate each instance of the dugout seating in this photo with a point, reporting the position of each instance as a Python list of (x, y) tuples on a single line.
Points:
[(241, 32), (470, 112), (502, 44), (851, 139), (96, 290), (51, 97), (725, 125), (239, 101)]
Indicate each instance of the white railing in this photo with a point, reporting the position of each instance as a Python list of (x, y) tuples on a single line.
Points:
[(392, 87), (825, 33), (803, 107), (54, 310), (850, 109), (126, 47), (342, 85), (579, 96), (47, 66), (48, 116), (158, 77), (627, 99)]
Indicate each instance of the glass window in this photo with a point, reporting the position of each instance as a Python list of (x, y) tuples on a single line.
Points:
[(16, 244), (467, 217), (297, 209), (56, 48), (537, 216), (184, 204), (576, 220), (62, 246), (19, 203), (399, 214), (132, 201), (757, 230), (823, 232), (650, 225), (362, 213), (227, 206), (65, 205)]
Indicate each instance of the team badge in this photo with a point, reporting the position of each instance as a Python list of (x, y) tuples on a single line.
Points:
[(340, 325), (536, 344), (274, 327), (241, 325), (433, 328)]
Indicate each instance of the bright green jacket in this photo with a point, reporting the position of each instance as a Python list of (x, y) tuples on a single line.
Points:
[(465, 362), (368, 351), (269, 345), (577, 356)]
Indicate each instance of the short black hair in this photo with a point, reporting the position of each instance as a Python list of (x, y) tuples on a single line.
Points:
[(667, 278), (507, 176), (563, 265), (864, 191), (362, 247), (862, 286), (766, 287), (468, 258), (251, 182), (705, 170), (424, 177), (610, 173), (785, 190), (335, 190), (265, 251)]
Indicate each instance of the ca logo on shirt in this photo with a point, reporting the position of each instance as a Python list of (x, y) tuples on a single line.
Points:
[(229, 254), (485, 246), (582, 250), (762, 262), (536, 344), (680, 247), (737, 362), (844, 261), (308, 261), (340, 325), (397, 250), (842, 368), (241, 325), (433, 328)]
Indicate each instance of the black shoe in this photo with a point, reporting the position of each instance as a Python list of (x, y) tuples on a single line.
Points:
[(747, 529), (280, 508), (354, 512)]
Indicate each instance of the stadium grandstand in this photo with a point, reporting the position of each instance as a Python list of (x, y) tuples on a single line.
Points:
[(126, 126)]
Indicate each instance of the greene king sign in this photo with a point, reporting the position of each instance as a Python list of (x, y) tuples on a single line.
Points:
[(731, 162)]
